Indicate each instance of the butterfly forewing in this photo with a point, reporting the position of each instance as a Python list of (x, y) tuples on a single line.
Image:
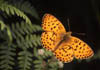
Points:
[(49, 40), (51, 23)]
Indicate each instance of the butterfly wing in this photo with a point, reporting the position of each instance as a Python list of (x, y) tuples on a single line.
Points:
[(64, 52), (52, 36), (52, 27), (52, 24), (49, 40), (81, 49)]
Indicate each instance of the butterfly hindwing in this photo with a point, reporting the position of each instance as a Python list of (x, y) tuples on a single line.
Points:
[(81, 49), (64, 53)]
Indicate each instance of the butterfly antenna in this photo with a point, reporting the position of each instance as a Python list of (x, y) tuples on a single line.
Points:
[(68, 24), (79, 33)]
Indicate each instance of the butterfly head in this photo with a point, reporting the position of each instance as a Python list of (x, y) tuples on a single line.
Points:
[(69, 33)]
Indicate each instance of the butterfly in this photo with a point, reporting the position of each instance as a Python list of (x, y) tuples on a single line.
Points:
[(63, 45)]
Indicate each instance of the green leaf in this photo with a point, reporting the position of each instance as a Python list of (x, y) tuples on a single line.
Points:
[(37, 61), (25, 59), (2, 25), (6, 57), (9, 33), (13, 10)]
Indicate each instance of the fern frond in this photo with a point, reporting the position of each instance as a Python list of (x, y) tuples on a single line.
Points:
[(6, 59), (25, 59), (29, 41), (9, 9), (25, 36), (9, 34), (2, 25), (8, 31), (24, 28), (26, 7), (32, 40)]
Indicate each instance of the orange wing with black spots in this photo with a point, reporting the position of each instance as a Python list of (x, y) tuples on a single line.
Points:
[(64, 53), (49, 40), (64, 46), (81, 49), (51, 23)]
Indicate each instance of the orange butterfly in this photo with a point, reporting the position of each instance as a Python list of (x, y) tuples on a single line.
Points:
[(64, 46)]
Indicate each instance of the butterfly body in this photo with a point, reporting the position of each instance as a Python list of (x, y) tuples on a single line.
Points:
[(64, 46), (64, 38)]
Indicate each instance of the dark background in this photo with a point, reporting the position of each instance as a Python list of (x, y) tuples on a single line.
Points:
[(83, 19)]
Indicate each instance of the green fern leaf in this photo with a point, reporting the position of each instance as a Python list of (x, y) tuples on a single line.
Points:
[(2, 25), (26, 7), (25, 59), (6, 59), (9, 9)]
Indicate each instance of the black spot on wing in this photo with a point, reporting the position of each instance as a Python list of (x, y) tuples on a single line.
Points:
[(79, 43), (76, 41)]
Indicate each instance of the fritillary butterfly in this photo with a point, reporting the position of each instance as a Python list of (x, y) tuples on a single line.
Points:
[(64, 46)]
